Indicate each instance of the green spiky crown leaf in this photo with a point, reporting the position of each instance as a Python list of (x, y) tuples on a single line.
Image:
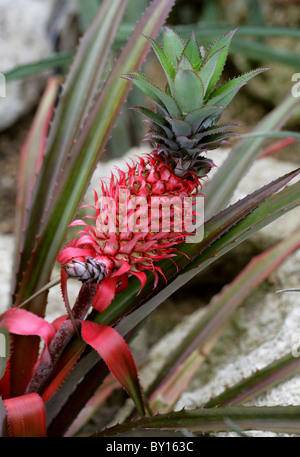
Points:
[(185, 125)]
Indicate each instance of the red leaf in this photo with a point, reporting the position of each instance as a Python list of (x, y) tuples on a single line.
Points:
[(116, 354), (5, 382), (69, 253), (124, 269), (23, 322), (141, 276), (124, 283), (26, 416), (78, 222), (105, 293), (57, 323)]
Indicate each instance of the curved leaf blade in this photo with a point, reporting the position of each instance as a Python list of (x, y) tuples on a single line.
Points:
[(26, 416), (284, 419), (116, 354)]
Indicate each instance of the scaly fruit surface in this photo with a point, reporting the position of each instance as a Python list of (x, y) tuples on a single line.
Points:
[(184, 126)]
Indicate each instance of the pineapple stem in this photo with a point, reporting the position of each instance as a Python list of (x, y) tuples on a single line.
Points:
[(61, 339)]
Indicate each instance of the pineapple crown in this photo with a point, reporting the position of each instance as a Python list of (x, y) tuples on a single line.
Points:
[(184, 127)]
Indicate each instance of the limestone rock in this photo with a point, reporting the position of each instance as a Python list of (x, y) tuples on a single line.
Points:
[(25, 37)]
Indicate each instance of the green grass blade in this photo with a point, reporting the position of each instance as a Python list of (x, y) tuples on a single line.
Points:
[(58, 60)]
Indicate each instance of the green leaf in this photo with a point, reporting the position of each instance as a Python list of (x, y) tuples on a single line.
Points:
[(208, 115), (166, 65), (188, 91), (213, 130), (206, 32), (213, 141), (32, 154), (165, 102), (282, 419), (180, 127), (265, 53), (162, 139), (208, 71), (191, 51), (224, 94), (258, 383), (281, 134), (186, 143), (251, 49), (185, 63), (221, 47), (57, 60), (156, 119), (173, 46)]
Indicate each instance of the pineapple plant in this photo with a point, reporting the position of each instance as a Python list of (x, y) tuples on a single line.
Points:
[(42, 392), (182, 130)]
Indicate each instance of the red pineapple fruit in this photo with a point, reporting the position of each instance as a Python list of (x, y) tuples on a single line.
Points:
[(140, 217)]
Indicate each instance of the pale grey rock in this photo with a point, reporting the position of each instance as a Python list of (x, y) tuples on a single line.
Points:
[(6, 250), (55, 306), (25, 29)]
